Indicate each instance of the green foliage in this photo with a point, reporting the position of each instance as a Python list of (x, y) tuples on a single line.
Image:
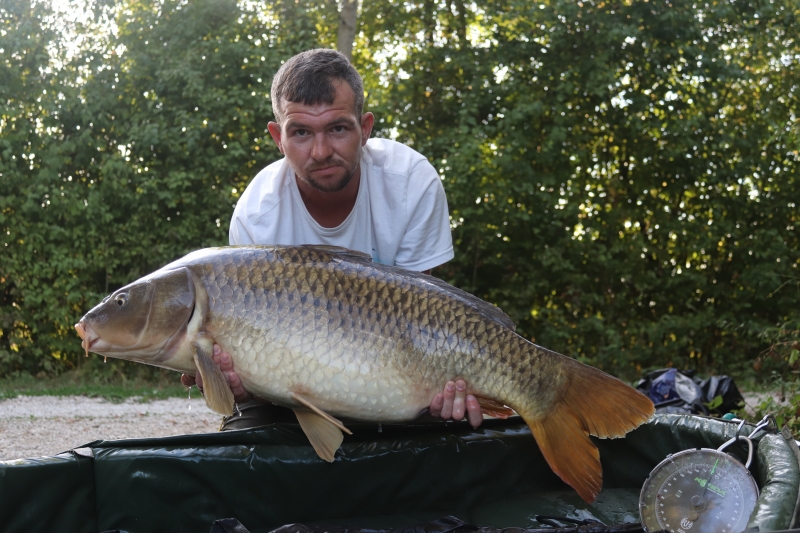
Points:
[(715, 402), (779, 367), (131, 152), (622, 176), (785, 408)]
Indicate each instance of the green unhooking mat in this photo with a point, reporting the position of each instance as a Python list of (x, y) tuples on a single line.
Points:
[(383, 477)]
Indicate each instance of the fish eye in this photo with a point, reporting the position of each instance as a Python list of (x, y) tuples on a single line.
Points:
[(121, 299)]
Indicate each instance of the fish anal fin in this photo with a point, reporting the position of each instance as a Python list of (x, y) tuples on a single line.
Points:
[(307, 403), (323, 435), (589, 402), (492, 407), (216, 390)]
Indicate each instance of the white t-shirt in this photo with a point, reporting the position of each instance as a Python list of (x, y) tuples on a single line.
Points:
[(400, 216)]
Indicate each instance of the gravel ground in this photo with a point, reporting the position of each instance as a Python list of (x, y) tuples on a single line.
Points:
[(34, 426)]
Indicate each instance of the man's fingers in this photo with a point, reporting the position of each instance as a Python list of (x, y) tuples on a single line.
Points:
[(474, 414), (449, 395), (199, 381), (436, 405), (459, 402), (237, 388), (215, 353), (223, 359)]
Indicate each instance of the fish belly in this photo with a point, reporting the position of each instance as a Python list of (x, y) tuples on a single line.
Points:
[(346, 374), (338, 382)]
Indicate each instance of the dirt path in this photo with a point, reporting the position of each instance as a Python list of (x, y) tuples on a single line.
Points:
[(33, 426)]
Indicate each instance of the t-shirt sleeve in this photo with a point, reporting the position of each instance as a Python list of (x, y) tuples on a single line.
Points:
[(238, 234), (239, 231), (249, 223), (427, 242)]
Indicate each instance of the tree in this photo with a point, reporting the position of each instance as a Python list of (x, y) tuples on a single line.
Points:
[(348, 16), (621, 176), (134, 154)]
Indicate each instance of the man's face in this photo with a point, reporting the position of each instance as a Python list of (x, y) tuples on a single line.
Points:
[(323, 142)]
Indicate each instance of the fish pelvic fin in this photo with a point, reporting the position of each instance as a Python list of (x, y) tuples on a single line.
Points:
[(307, 403), (324, 435), (591, 403), (216, 390)]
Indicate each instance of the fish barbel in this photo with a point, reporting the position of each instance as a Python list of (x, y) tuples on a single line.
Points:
[(328, 333)]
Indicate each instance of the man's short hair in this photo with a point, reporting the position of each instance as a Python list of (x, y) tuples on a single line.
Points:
[(309, 77)]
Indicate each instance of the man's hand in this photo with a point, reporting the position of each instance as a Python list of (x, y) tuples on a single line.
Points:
[(225, 363), (454, 403)]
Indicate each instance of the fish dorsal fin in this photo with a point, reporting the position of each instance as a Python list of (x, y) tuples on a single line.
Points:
[(216, 390), (307, 403), (487, 310), (339, 252), (484, 308), (323, 436)]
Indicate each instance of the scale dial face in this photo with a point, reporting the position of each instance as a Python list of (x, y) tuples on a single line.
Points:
[(698, 491)]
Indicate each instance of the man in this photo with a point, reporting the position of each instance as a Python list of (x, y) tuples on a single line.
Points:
[(336, 186)]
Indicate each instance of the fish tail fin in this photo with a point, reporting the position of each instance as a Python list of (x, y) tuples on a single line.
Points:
[(591, 403)]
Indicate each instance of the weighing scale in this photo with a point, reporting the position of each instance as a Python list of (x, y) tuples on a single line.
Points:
[(701, 490)]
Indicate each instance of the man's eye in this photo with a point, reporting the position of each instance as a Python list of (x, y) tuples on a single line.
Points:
[(300, 132)]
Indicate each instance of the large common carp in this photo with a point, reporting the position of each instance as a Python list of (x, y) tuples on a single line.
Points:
[(327, 332)]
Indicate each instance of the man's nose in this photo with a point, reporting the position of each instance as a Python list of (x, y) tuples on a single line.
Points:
[(322, 149)]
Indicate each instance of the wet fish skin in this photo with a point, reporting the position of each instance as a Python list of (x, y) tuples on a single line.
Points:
[(366, 341), (361, 340)]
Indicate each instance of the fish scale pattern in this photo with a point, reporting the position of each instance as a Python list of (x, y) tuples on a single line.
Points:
[(363, 339)]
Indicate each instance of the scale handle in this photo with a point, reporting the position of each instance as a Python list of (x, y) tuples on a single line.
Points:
[(749, 448)]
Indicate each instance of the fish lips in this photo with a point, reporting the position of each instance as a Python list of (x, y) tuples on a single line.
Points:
[(87, 334), (91, 341), (154, 354)]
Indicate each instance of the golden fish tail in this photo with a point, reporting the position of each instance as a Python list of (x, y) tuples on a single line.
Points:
[(590, 402)]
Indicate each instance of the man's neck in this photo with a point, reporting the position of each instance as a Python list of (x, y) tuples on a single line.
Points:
[(330, 209)]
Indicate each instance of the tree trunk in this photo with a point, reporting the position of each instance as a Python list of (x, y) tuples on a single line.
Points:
[(461, 23), (429, 17), (347, 27)]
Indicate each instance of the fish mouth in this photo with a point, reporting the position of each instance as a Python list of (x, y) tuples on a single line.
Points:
[(87, 334)]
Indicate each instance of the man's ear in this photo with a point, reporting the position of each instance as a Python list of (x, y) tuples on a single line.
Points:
[(367, 121), (275, 130)]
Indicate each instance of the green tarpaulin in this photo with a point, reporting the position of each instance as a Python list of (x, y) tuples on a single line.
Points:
[(383, 477)]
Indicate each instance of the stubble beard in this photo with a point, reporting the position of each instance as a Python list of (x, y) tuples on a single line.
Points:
[(329, 187)]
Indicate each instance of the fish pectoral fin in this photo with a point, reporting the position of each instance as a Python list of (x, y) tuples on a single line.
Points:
[(324, 435), (216, 390), (306, 403), (492, 407)]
